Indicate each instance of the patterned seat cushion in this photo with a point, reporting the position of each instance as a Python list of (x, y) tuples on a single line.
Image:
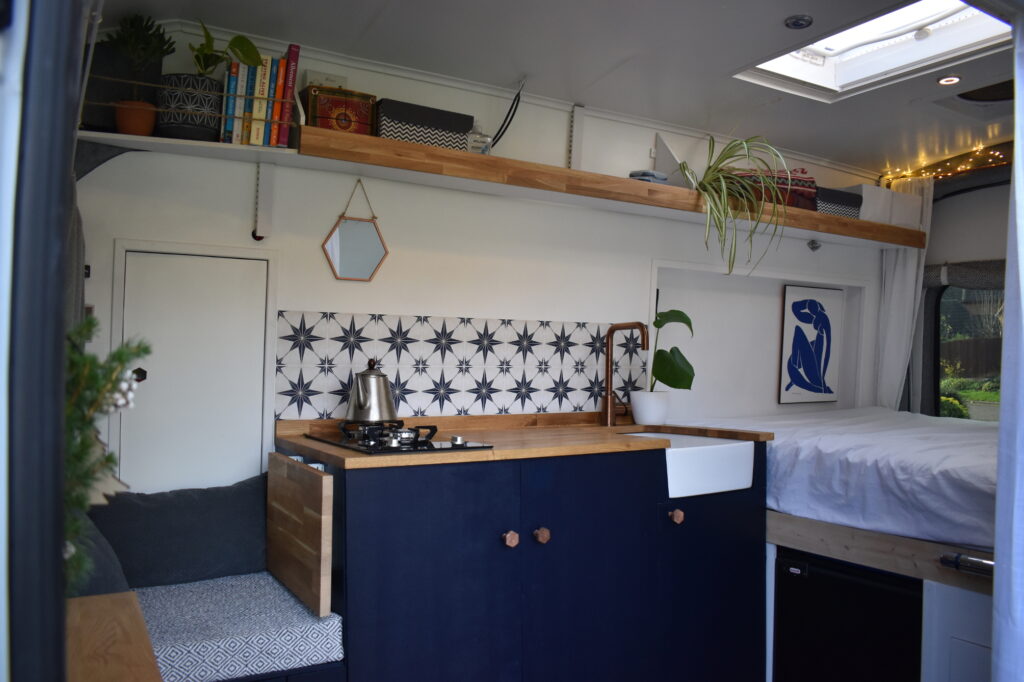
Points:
[(234, 626)]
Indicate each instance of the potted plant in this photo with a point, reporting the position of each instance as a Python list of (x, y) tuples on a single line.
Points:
[(190, 103), (141, 43), (754, 192), (670, 367)]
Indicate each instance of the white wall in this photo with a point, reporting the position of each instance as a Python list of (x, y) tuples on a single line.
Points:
[(464, 254), (455, 253), (970, 226), (737, 339)]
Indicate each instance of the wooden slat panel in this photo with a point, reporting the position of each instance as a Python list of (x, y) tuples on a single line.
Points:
[(107, 640), (300, 510), (894, 553), (377, 151)]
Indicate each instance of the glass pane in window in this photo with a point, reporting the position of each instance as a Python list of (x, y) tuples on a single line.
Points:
[(971, 342)]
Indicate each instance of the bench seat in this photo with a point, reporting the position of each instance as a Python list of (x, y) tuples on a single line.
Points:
[(233, 627)]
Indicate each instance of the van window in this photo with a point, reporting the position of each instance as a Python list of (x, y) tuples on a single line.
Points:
[(970, 348)]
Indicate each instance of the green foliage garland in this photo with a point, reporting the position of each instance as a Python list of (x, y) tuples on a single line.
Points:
[(93, 387)]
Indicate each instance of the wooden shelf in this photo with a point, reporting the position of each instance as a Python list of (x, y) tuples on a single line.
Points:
[(376, 151), (327, 150)]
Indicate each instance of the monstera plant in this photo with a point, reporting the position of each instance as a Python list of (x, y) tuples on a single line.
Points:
[(670, 367)]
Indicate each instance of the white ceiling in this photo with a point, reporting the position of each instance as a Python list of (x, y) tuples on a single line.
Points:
[(666, 60)]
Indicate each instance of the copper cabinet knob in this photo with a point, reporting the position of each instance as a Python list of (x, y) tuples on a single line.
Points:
[(542, 535), (677, 516), (511, 538)]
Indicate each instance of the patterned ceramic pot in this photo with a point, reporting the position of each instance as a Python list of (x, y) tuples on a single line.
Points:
[(190, 107)]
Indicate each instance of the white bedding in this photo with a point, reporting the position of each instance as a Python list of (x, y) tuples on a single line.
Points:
[(907, 474)]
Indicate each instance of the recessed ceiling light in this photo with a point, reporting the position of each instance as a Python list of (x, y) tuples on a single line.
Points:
[(799, 21), (949, 80), (926, 35)]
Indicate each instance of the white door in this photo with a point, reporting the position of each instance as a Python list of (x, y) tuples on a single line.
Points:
[(197, 420)]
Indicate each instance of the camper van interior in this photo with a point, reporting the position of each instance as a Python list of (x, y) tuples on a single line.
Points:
[(459, 369)]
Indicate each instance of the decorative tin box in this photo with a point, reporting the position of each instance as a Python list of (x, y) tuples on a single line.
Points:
[(338, 109), (415, 123)]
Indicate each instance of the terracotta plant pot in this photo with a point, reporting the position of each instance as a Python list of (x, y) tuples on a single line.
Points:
[(133, 117), (190, 107)]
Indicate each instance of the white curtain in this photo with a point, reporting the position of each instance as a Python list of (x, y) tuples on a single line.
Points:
[(902, 273), (1008, 595)]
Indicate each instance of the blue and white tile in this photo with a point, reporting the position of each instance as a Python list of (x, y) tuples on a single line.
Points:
[(403, 340), (294, 394), (355, 339), (560, 393), (444, 385), (445, 343), (485, 344), (301, 336)]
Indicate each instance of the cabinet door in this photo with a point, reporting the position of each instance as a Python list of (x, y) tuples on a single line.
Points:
[(590, 602), (431, 591), (712, 584)]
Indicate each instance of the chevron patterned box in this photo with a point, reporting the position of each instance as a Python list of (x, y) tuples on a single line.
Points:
[(415, 123)]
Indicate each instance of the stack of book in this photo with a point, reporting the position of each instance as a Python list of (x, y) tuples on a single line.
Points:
[(258, 101)]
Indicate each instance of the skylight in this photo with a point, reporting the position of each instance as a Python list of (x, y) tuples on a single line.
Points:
[(920, 37)]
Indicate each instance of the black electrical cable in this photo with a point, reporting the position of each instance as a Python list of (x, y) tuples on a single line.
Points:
[(509, 115)]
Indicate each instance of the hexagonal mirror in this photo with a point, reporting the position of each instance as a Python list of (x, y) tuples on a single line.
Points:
[(355, 249)]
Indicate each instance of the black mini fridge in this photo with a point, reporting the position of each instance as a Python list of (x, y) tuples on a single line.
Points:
[(841, 622)]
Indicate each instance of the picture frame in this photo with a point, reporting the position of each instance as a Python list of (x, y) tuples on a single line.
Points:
[(812, 333)]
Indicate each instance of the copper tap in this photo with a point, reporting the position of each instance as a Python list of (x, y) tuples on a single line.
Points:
[(608, 407)]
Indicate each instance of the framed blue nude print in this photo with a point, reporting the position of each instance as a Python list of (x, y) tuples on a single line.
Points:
[(812, 332)]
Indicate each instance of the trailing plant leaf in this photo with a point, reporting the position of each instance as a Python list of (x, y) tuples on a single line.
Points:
[(93, 387), (750, 192), (206, 58), (671, 367)]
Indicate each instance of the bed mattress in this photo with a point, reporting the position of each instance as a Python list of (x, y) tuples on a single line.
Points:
[(907, 474)]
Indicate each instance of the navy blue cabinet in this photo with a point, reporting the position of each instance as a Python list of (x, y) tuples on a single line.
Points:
[(427, 589), (711, 582), (602, 585)]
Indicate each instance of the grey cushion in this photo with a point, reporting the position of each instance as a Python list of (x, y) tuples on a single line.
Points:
[(235, 626), (106, 575), (186, 535)]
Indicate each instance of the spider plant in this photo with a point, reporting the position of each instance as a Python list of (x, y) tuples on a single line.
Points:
[(741, 183)]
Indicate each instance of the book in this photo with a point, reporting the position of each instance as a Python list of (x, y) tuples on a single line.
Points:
[(271, 85), (288, 95), (275, 126), (259, 104), (250, 89), (229, 103), (241, 81)]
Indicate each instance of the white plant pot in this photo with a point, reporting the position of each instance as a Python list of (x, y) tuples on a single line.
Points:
[(650, 407)]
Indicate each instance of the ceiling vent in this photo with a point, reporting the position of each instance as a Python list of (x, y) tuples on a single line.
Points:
[(997, 92), (988, 104)]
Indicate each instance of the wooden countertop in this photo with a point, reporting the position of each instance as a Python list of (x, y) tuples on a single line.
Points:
[(107, 640), (513, 438)]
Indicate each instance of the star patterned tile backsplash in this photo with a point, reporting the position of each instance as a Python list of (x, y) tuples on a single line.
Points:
[(441, 366)]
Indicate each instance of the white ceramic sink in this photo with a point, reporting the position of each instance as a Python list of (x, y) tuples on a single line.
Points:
[(699, 466)]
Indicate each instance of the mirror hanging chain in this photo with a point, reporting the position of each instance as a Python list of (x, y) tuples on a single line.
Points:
[(358, 185)]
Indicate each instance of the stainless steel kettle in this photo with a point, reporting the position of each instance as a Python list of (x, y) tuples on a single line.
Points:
[(371, 399)]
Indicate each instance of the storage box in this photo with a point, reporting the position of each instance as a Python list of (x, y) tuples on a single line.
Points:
[(415, 123), (339, 109)]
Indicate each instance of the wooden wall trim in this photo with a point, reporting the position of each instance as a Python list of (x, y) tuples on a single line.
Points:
[(894, 553)]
